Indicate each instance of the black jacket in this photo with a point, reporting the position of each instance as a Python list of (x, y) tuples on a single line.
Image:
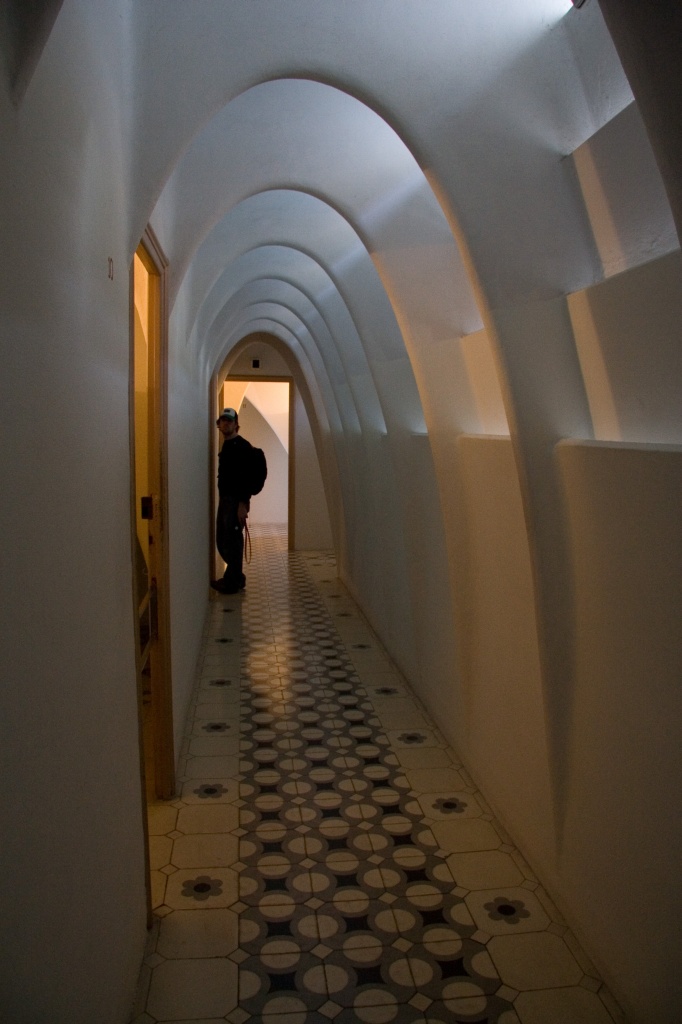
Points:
[(233, 469)]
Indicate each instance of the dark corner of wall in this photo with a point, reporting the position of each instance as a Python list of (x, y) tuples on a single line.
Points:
[(25, 27)]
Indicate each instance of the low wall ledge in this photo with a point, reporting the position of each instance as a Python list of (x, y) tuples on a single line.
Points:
[(624, 446)]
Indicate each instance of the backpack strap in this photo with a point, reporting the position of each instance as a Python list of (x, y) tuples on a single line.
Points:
[(247, 544)]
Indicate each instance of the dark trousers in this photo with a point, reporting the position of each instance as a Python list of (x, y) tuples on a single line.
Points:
[(230, 541)]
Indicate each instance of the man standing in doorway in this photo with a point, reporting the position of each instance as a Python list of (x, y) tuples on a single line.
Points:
[(233, 506)]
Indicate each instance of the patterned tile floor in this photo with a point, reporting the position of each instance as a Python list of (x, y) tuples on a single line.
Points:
[(328, 858)]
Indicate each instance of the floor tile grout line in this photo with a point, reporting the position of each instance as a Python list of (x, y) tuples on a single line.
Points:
[(277, 609)]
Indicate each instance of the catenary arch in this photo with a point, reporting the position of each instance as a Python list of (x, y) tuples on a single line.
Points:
[(292, 332), (434, 113), (294, 221), (365, 172), (263, 219), (289, 267), (524, 240), (356, 380), (332, 382), (278, 336), (376, 202), (346, 457), (285, 133), (347, 260), (375, 198), (376, 289), (398, 261)]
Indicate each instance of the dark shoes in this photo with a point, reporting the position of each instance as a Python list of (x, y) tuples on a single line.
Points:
[(225, 588)]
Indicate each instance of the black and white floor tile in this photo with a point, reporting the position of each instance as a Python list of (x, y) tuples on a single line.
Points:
[(328, 858)]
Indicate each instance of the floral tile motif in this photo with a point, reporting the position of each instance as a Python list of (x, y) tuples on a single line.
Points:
[(443, 806), (216, 790), (190, 889), (505, 911), (202, 887), (413, 738)]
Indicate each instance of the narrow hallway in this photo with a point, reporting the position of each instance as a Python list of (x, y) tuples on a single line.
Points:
[(328, 858)]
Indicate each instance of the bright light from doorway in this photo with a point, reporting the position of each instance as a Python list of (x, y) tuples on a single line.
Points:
[(270, 398)]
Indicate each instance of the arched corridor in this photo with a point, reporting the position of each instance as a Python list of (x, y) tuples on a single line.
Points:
[(453, 233)]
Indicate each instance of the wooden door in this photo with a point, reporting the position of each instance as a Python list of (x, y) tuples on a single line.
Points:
[(150, 554)]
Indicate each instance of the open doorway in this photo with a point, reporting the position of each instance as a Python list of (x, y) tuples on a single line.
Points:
[(149, 518), (311, 469), (265, 413)]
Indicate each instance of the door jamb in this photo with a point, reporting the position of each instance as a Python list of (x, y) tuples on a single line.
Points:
[(164, 761), (165, 765)]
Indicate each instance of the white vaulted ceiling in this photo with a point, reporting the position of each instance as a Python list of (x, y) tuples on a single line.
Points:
[(316, 167)]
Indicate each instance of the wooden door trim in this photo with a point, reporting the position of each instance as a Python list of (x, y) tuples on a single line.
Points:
[(134, 588), (165, 748), (154, 260)]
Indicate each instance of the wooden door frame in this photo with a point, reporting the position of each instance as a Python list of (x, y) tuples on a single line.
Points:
[(157, 264), (214, 404)]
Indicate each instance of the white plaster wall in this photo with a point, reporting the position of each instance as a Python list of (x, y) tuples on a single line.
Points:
[(72, 867), (426, 579), (487, 397), (628, 333), (311, 515), (622, 837), (501, 732), (624, 196), (373, 562), (188, 512), (271, 505)]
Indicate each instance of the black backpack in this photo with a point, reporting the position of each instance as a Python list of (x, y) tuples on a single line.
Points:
[(257, 470)]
